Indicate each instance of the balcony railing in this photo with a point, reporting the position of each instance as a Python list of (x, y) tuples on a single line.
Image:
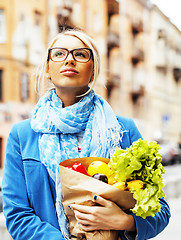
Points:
[(138, 55), (113, 81), (113, 7), (177, 74), (137, 92), (113, 39), (137, 27)]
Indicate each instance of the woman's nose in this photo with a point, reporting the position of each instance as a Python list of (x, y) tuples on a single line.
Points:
[(70, 59)]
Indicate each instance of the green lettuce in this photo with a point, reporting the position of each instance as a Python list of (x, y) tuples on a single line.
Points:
[(141, 161)]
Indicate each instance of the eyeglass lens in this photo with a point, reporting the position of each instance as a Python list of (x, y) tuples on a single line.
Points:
[(60, 54)]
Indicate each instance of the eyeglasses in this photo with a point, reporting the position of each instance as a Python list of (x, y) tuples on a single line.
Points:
[(82, 55)]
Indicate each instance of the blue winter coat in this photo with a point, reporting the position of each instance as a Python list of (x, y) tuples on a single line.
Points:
[(29, 192)]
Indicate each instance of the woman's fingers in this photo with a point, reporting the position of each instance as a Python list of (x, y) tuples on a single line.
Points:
[(86, 221), (87, 228), (87, 209), (82, 208), (83, 217), (106, 215), (102, 201)]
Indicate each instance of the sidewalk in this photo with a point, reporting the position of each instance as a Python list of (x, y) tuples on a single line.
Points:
[(173, 230), (4, 235), (172, 180)]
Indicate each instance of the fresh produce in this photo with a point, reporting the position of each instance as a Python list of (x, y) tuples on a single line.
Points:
[(136, 184), (111, 179), (98, 167), (137, 169), (78, 167), (100, 177), (121, 185), (141, 161)]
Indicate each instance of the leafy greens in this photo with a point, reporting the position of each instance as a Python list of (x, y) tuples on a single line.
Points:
[(141, 161)]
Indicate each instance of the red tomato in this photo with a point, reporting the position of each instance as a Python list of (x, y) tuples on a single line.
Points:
[(79, 167)]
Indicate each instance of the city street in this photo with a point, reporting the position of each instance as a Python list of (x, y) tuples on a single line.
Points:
[(77, 79), (172, 179), (173, 230)]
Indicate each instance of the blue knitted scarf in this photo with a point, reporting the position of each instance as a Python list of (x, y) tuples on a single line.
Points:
[(57, 127)]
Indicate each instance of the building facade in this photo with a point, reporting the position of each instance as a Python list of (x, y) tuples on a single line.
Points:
[(164, 89), (139, 49), (23, 28)]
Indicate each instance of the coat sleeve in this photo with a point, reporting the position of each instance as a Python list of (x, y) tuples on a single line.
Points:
[(151, 226), (130, 132), (22, 223)]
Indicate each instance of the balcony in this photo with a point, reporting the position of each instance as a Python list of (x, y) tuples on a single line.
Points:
[(138, 55), (113, 7), (113, 39), (5, 113), (113, 81), (64, 16), (161, 34), (138, 81), (137, 27), (137, 92), (177, 74)]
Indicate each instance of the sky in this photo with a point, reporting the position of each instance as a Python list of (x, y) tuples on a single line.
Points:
[(172, 9)]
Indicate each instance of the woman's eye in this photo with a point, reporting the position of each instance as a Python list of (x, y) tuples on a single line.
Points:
[(80, 54), (59, 54)]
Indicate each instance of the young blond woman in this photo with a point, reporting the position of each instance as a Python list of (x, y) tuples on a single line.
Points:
[(69, 121)]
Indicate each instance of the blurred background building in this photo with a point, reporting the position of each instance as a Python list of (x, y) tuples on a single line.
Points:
[(140, 55)]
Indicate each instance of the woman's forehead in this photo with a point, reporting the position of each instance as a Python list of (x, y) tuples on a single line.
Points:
[(69, 42)]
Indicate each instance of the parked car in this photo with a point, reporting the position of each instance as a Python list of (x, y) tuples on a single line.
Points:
[(171, 153)]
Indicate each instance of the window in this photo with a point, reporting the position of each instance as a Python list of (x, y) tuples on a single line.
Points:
[(88, 19), (37, 30), (68, 3), (1, 85), (75, 16), (2, 26), (22, 29), (161, 34), (97, 22), (1, 152), (24, 88), (38, 18)]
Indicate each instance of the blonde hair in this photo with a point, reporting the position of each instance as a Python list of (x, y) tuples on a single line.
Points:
[(43, 84)]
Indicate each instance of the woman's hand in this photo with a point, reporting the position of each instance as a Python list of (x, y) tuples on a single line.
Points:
[(108, 216)]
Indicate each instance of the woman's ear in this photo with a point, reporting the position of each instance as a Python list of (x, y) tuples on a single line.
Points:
[(92, 77), (48, 76), (47, 72)]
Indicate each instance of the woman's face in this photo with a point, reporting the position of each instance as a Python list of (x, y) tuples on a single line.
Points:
[(70, 73)]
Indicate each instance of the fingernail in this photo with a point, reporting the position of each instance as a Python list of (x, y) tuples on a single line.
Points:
[(70, 207), (95, 197)]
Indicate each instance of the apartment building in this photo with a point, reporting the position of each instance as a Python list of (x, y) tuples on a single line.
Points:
[(164, 88), (139, 48), (144, 80), (127, 87), (23, 37)]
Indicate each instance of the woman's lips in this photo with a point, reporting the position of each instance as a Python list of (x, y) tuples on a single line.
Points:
[(69, 72)]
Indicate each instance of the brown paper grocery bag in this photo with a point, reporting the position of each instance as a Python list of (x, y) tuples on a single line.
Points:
[(80, 189)]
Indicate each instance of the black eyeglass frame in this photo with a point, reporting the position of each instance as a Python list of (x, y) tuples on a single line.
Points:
[(68, 52)]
